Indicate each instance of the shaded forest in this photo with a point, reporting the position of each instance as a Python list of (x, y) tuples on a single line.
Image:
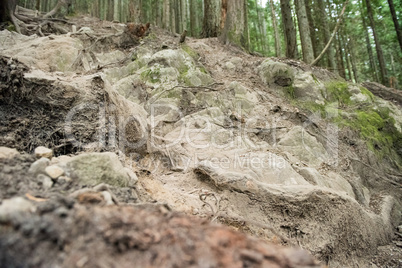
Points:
[(359, 40)]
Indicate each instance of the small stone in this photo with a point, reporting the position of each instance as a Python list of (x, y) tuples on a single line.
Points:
[(132, 175), (400, 228), (107, 197), (90, 198), (39, 166), (47, 182), (8, 153), (42, 151), (14, 205), (54, 171), (63, 179)]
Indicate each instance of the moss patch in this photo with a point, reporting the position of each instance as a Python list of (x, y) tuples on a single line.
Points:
[(151, 75), (338, 91), (186, 48)]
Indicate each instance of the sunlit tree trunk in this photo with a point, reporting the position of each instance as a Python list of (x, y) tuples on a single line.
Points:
[(380, 56), (304, 30), (276, 32)]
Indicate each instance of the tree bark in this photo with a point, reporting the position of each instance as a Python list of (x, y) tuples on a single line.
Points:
[(304, 30), (212, 18), (276, 33), (396, 24), (236, 30), (193, 17), (380, 56), (289, 30)]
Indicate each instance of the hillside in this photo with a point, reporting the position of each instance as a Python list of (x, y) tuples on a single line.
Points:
[(155, 145)]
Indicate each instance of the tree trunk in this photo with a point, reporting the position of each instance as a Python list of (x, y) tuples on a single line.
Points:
[(327, 35), (314, 35), (396, 24), (261, 21), (212, 18), (236, 30), (339, 57), (304, 30), (380, 56), (166, 14), (289, 30), (276, 33), (193, 17), (353, 59)]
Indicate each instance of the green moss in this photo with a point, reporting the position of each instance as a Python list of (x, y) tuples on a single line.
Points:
[(366, 92), (151, 75), (290, 92), (338, 91), (190, 51), (315, 79)]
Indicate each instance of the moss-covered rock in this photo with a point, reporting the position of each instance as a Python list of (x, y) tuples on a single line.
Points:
[(272, 72)]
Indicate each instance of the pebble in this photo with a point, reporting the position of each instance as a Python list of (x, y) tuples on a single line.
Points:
[(47, 182), (8, 153), (42, 151), (107, 197), (63, 179), (54, 171), (14, 205), (39, 166)]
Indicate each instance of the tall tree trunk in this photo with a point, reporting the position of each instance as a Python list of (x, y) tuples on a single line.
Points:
[(184, 15), (339, 57), (380, 56), (289, 30), (304, 30), (193, 17), (212, 18), (166, 14), (235, 30), (327, 35), (314, 35), (276, 32), (353, 59), (261, 21), (396, 24)]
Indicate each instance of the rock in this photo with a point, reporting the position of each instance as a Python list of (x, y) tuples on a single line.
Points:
[(90, 198), (400, 229), (54, 171), (107, 197), (307, 87), (303, 146), (95, 168), (47, 182), (278, 73), (14, 205), (63, 179), (42, 151), (8, 153), (132, 175), (39, 166)]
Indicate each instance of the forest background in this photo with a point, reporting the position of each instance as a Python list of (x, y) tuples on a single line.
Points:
[(366, 45)]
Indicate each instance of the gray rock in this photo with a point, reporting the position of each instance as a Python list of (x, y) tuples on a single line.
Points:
[(54, 171), (10, 207), (42, 151), (47, 182), (39, 166), (307, 87), (8, 153), (278, 73), (95, 168)]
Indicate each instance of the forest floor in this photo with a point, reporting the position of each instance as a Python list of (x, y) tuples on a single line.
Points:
[(64, 225)]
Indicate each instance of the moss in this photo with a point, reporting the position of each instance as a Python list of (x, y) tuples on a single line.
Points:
[(193, 54), (290, 92), (151, 75), (377, 128), (338, 91), (366, 92), (315, 79)]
